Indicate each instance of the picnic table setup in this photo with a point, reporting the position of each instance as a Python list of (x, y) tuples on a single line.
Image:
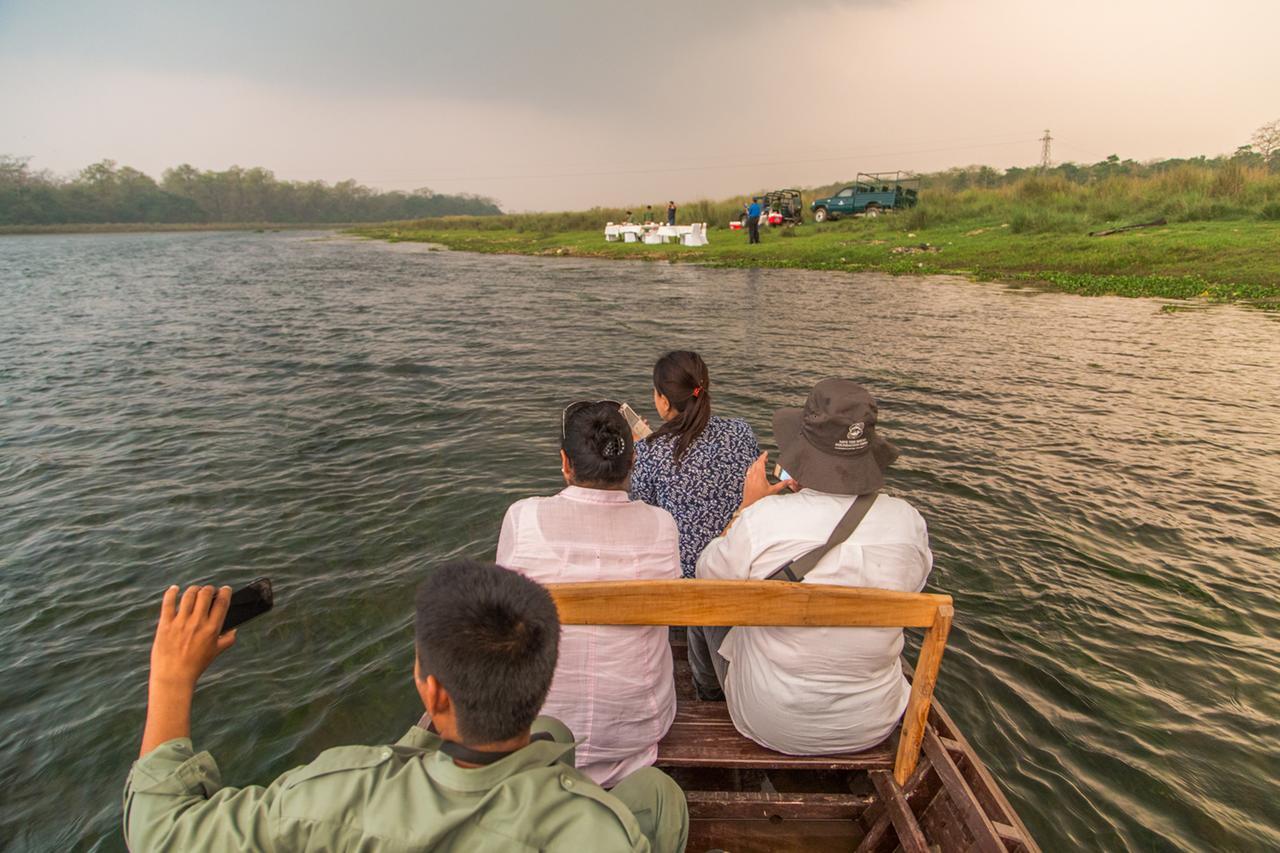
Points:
[(653, 233)]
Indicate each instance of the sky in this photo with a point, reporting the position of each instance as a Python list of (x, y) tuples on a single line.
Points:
[(555, 104)]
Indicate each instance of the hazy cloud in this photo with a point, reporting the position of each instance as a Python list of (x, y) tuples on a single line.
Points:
[(570, 51), (560, 104)]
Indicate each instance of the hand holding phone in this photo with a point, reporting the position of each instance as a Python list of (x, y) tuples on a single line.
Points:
[(639, 426), (184, 646), (187, 639), (247, 602)]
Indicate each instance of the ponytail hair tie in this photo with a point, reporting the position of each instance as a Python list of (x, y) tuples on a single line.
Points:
[(697, 390)]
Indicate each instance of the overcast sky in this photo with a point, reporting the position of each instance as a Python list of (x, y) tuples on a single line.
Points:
[(556, 104)]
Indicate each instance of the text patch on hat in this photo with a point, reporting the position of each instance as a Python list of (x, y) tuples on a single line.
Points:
[(854, 440)]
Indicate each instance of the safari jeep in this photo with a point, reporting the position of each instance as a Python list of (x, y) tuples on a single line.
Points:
[(870, 194)]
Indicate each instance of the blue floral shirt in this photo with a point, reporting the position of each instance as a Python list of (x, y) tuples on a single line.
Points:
[(704, 492)]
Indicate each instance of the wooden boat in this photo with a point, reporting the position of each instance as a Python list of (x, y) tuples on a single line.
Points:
[(924, 789)]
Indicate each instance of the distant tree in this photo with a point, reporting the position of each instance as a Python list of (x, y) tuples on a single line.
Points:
[(107, 192), (1246, 156), (1266, 141), (14, 170), (26, 196)]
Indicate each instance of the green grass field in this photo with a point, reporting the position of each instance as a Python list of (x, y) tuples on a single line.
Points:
[(1222, 242), (1231, 261)]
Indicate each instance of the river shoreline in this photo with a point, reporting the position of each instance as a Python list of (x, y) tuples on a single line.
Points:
[(166, 227), (1214, 262)]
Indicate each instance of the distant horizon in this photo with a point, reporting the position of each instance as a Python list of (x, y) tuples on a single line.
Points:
[(71, 174)]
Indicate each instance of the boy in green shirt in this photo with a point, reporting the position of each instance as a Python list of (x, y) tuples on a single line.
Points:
[(478, 772)]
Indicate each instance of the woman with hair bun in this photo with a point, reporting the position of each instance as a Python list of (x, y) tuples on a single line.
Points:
[(694, 465), (613, 686)]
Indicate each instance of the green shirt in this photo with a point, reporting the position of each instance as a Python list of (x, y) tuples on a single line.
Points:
[(409, 796)]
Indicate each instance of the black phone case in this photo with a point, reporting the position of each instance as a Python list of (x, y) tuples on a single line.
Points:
[(249, 601)]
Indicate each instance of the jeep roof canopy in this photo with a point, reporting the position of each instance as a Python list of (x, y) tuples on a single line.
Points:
[(900, 179)]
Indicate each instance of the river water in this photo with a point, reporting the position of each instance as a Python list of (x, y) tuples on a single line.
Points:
[(1100, 478)]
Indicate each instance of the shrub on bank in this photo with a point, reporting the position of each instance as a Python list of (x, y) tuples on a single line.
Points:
[(1042, 220)]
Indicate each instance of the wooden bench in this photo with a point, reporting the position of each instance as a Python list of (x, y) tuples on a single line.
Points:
[(703, 735)]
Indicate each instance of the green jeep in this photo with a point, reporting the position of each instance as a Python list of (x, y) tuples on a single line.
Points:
[(871, 193)]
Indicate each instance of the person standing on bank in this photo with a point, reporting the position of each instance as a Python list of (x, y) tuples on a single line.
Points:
[(813, 691), (753, 222), (671, 213), (478, 771), (693, 465), (614, 686)]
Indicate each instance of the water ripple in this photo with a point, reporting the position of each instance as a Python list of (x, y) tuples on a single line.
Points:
[(1099, 479)]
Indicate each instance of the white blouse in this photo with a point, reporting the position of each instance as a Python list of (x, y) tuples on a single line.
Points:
[(613, 686)]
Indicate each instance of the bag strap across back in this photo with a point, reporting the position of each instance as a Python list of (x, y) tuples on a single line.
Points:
[(795, 570)]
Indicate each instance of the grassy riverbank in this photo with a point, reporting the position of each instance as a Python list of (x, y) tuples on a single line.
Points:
[(1222, 261), (1222, 241)]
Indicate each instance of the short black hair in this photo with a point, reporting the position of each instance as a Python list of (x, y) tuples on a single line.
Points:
[(598, 443), (491, 638)]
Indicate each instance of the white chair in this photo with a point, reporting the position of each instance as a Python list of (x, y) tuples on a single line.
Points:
[(652, 237), (629, 237), (697, 235), (611, 232)]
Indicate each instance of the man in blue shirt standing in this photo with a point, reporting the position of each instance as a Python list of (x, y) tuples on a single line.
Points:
[(753, 222)]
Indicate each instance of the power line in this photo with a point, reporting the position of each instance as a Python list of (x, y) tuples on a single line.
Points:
[(1090, 155), (702, 167), (1044, 150), (714, 161)]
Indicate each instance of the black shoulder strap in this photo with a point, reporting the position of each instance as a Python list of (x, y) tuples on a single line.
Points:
[(795, 570)]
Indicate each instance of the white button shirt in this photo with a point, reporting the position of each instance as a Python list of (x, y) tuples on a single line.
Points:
[(811, 691), (613, 686)]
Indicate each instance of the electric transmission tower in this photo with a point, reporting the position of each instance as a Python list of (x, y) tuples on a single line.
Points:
[(1044, 150)]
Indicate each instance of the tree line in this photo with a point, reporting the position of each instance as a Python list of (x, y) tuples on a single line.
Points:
[(107, 192), (1261, 153)]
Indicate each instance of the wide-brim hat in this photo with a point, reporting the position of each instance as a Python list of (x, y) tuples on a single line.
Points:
[(831, 444)]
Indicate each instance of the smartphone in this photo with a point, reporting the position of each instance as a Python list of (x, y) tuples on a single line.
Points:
[(779, 474), (639, 429), (247, 602)]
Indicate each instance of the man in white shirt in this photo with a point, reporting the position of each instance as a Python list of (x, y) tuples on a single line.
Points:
[(807, 691)]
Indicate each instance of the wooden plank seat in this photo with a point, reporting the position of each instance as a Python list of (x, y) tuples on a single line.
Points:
[(703, 735), (706, 737), (943, 799), (759, 805)]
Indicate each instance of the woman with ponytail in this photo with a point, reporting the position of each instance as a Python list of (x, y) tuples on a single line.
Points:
[(613, 685), (694, 465)]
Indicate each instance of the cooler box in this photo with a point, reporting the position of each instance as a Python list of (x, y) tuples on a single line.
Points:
[(735, 226), (775, 218)]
